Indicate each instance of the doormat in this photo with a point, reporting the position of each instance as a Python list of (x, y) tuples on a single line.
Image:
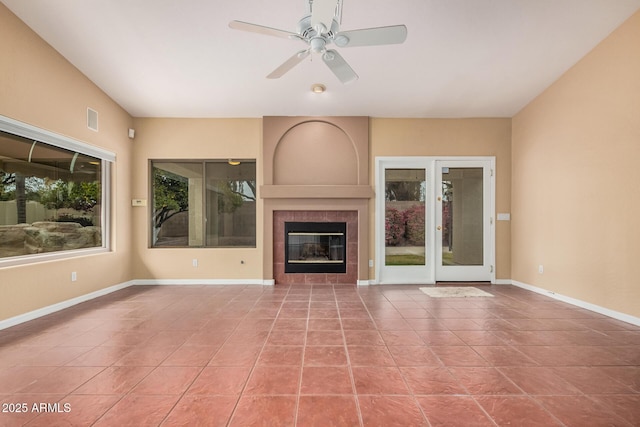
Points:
[(455, 292)]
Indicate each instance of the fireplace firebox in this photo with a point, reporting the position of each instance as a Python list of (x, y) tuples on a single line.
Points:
[(315, 247)]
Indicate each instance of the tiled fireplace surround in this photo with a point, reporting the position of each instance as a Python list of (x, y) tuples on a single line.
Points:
[(316, 169), (349, 217)]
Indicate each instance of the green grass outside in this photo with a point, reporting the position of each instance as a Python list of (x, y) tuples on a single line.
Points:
[(405, 259), (412, 259), (447, 258)]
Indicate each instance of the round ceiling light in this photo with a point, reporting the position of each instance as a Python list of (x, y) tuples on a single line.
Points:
[(318, 88)]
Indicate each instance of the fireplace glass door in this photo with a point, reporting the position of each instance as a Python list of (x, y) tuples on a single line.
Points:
[(315, 247)]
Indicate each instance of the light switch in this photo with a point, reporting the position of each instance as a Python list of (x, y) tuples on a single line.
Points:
[(138, 202), (504, 217)]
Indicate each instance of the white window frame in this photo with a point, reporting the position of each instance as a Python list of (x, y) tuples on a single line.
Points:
[(204, 163), (107, 158)]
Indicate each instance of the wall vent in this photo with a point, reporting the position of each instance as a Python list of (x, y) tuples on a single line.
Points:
[(92, 119)]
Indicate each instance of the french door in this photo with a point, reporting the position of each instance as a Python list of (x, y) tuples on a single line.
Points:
[(434, 219)]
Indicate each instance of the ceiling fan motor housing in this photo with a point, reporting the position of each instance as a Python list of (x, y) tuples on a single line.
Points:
[(308, 32)]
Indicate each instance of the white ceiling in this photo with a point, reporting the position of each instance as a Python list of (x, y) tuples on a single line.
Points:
[(462, 58)]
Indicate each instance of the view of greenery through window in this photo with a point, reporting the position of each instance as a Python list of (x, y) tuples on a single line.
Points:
[(405, 199), (50, 198), (204, 203)]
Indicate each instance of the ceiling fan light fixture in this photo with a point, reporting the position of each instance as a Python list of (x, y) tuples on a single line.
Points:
[(318, 88), (317, 44)]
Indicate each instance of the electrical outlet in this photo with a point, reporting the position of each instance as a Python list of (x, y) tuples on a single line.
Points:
[(74, 276), (370, 263), (194, 262), (540, 269)]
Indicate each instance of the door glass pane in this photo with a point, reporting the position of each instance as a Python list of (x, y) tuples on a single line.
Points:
[(405, 195), (462, 216)]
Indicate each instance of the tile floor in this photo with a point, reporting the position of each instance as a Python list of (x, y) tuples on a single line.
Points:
[(324, 355)]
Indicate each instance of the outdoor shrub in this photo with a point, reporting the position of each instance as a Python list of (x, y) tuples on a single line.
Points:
[(394, 226), (415, 225), (83, 221)]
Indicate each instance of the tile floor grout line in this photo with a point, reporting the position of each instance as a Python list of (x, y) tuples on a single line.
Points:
[(404, 381), (471, 395), (129, 392), (304, 347), (349, 365), (406, 384), (202, 368), (253, 367)]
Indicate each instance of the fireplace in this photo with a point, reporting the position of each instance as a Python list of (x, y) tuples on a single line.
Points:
[(315, 247), (326, 270), (316, 170)]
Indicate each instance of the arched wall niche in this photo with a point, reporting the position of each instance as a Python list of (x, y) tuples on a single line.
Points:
[(315, 152), (330, 151)]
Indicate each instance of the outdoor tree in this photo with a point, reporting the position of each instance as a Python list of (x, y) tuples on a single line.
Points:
[(170, 195), (82, 196), (234, 193), (404, 190), (53, 194)]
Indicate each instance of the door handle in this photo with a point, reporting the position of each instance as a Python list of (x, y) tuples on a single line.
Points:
[(439, 227)]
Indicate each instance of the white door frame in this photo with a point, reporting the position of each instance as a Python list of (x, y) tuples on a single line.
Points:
[(428, 274)]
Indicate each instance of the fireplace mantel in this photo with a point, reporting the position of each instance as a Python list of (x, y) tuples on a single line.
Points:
[(316, 192)]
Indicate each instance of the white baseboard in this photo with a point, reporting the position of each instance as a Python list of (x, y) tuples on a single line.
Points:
[(579, 303), (16, 320), (21, 318), (203, 282)]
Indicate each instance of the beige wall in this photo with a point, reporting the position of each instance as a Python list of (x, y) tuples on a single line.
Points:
[(575, 188), (174, 139), (451, 137), (573, 195), (39, 87)]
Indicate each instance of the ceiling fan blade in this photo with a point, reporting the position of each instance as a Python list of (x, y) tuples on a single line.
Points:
[(339, 66), (394, 34), (288, 64), (260, 29), (322, 12)]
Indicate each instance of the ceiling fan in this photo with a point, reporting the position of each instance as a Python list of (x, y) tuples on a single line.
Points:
[(321, 27)]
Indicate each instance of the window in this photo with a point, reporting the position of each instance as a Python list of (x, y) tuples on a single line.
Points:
[(52, 193), (208, 203)]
